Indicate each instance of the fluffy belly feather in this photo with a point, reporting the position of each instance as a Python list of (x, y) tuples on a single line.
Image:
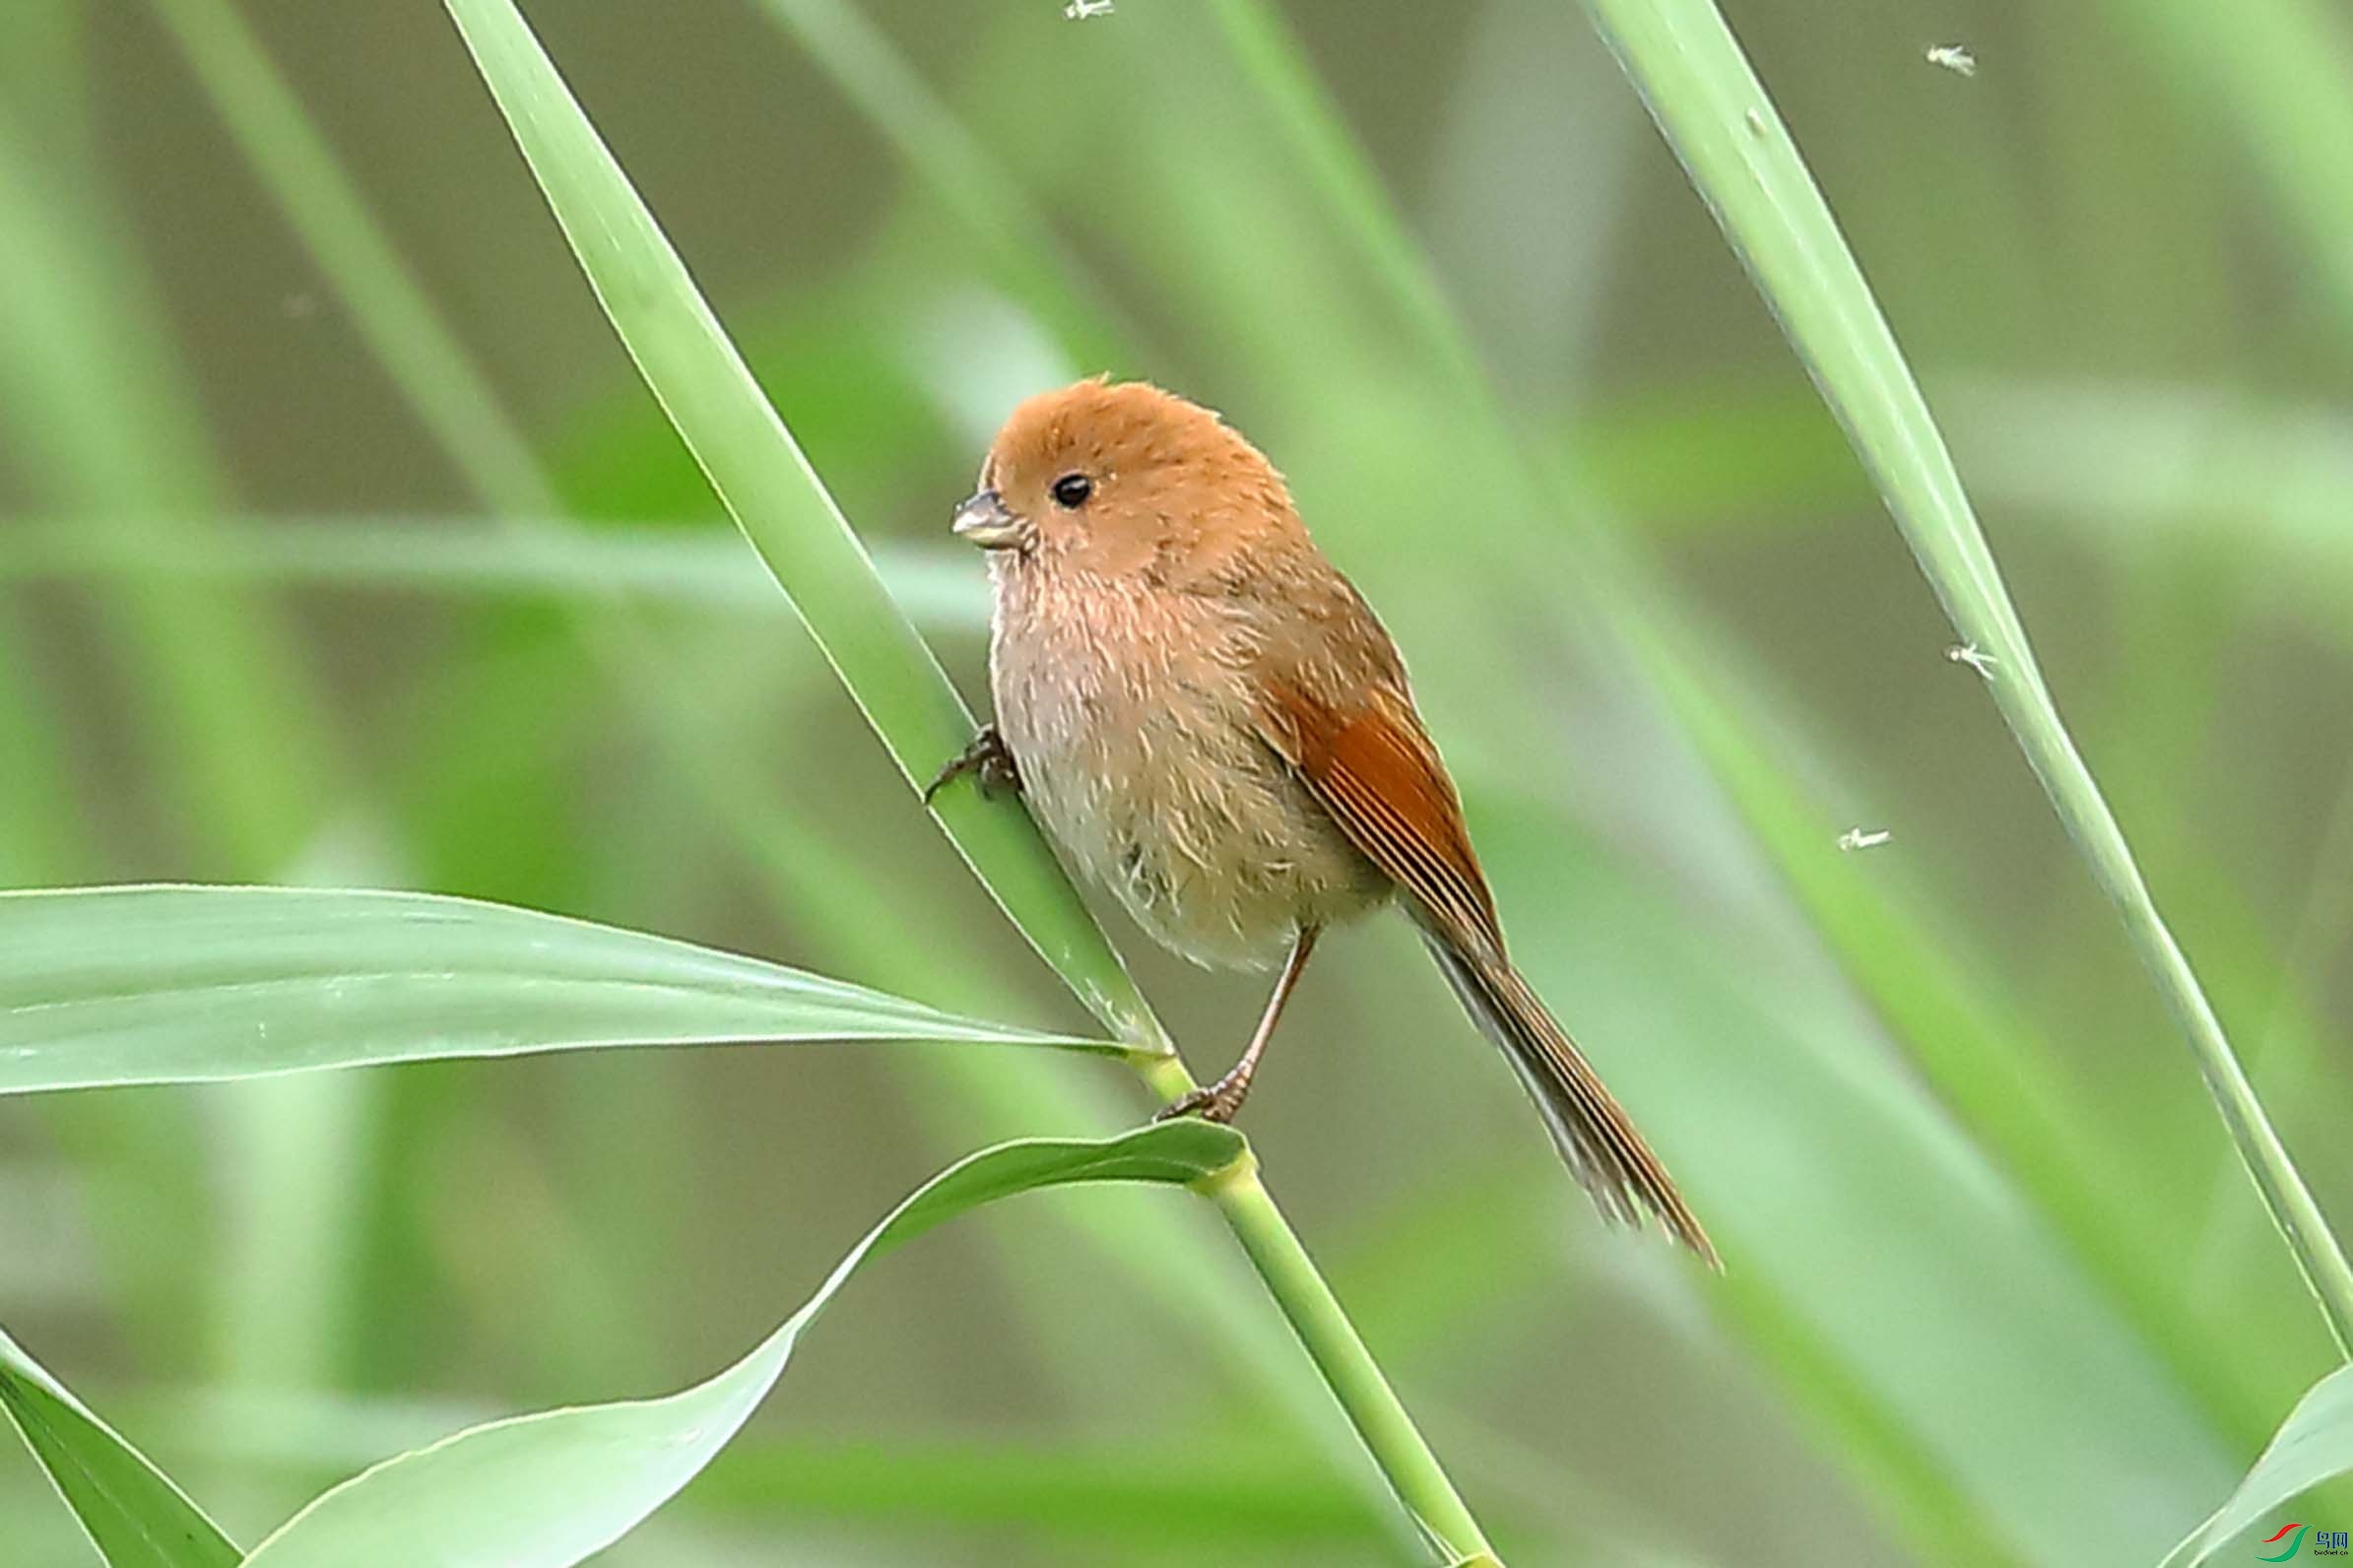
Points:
[(1155, 785)]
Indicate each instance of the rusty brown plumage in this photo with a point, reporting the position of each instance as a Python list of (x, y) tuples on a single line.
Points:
[(1208, 720), (1366, 760)]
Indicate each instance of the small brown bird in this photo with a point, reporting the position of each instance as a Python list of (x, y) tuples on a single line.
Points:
[(1206, 719)]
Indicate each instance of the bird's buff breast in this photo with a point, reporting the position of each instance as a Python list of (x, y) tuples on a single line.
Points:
[(1147, 773)]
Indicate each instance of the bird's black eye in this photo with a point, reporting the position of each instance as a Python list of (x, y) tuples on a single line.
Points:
[(1071, 490)]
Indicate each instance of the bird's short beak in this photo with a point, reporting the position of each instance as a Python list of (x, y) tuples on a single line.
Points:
[(984, 520)]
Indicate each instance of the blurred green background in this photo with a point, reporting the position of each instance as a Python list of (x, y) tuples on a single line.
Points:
[(340, 544)]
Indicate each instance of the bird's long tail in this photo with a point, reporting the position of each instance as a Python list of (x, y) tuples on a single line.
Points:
[(1595, 1136)]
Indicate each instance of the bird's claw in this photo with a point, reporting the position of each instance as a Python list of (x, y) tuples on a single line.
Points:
[(987, 759), (1215, 1103)]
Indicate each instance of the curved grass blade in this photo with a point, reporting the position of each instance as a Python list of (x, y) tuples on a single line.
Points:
[(2313, 1444), (131, 1511), (1072, 1493), (782, 506), (547, 1490), (1713, 112), (163, 985)]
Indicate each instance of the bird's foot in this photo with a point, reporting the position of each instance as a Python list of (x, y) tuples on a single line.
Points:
[(987, 759), (1219, 1103)]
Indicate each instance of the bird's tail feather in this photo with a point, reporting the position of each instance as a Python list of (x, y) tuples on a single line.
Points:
[(1595, 1136)]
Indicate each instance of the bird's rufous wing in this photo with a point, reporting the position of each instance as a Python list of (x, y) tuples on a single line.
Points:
[(1374, 769)]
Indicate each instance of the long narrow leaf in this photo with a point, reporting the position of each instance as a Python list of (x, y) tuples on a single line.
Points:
[(131, 1511), (1712, 109), (782, 506), (545, 1491), (2314, 1444), (160, 985)]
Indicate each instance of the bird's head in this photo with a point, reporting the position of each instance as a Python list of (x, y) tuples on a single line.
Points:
[(1121, 480)]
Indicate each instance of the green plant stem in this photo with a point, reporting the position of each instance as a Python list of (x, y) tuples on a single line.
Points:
[(1330, 1339), (1355, 1378), (1712, 109)]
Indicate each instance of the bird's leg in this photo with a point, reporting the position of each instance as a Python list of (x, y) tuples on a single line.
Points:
[(1222, 1099), (987, 759)]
